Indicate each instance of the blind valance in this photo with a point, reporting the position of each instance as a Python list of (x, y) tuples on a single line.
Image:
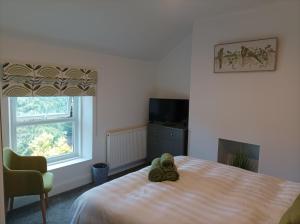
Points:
[(47, 80)]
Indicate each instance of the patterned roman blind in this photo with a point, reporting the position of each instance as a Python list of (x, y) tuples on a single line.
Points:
[(45, 80)]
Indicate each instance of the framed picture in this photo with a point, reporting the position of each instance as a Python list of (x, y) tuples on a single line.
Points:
[(246, 56)]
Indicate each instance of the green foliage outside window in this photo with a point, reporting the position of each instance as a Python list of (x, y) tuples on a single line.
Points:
[(45, 145), (33, 106), (47, 140)]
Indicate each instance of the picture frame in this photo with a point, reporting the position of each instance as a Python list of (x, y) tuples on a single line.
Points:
[(246, 56)]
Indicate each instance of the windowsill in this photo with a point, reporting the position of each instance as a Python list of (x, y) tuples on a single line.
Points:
[(69, 162)]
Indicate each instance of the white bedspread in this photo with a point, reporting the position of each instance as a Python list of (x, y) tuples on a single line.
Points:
[(207, 192)]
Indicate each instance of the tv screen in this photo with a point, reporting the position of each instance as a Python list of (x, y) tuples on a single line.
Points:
[(168, 110)]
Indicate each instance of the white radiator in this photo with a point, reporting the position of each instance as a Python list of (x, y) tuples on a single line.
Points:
[(126, 146)]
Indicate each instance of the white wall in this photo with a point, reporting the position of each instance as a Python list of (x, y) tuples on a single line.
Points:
[(124, 86), (173, 72), (260, 107)]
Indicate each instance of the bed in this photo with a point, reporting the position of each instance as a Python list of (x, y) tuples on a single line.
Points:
[(207, 192)]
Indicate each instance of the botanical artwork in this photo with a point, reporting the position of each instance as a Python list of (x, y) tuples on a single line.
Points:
[(40, 80), (256, 55)]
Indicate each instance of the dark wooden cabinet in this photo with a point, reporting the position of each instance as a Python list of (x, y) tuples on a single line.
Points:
[(162, 138)]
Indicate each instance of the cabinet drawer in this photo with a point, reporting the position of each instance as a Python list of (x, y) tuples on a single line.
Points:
[(165, 132), (161, 139)]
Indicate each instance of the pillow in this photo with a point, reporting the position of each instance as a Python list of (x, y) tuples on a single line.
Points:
[(292, 215)]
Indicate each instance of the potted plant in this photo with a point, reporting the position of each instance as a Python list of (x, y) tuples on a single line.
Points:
[(240, 159)]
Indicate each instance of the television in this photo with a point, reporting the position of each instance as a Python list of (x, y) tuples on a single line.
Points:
[(168, 110)]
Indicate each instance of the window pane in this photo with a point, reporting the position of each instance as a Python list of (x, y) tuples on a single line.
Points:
[(47, 140), (41, 108)]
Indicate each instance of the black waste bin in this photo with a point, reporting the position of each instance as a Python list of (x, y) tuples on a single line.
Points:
[(99, 173)]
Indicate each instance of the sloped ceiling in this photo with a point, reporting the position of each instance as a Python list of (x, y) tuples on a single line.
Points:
[(142, 29)]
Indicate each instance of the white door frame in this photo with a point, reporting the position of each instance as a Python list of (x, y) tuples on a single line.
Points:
[(2, 210)]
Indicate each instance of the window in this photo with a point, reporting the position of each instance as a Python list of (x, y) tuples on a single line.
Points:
[(45, 126)]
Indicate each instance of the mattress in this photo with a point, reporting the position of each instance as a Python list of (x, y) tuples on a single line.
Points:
[(207, 192)]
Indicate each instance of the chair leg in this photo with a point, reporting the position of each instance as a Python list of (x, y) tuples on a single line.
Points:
[(43, 207), (46, 199), (11, 203)]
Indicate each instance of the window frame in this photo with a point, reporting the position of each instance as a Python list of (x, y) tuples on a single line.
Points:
[(76, 131)]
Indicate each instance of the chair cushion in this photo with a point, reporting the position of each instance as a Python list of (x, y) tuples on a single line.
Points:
[(48, 181)]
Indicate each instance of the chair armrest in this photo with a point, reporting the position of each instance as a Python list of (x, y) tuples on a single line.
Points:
[(23, 182), (38, 163)]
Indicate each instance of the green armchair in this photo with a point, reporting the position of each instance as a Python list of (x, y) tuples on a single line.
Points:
[(26, 175)]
